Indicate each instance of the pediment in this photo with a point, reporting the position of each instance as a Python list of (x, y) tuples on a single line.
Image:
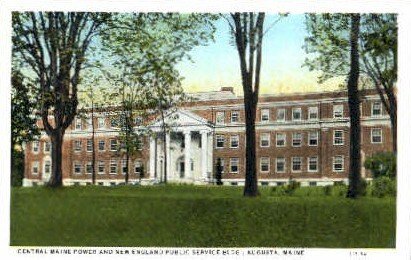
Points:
[(181, 118)]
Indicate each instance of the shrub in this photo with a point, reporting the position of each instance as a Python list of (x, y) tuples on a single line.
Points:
[(362, 189), (290, 188), (327, 190), (339, 183), (382, 164), (383, 186), (17, 168), (219, 170)]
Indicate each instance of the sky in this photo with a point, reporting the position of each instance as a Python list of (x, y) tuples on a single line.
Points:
[(217, 64)]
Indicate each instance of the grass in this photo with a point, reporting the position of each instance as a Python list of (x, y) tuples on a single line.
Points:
[(194, 216)]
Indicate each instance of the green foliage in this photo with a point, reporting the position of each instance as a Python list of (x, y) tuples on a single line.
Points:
[(327, 45), (362, 189), (327, 190), (193, 216), (17, 168), (382, 164), (23, 120), (219, 170), (290, 188), (383, 186), (285, 190)]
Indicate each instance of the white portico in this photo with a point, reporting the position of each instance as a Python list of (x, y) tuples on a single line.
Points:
[(188, 148)]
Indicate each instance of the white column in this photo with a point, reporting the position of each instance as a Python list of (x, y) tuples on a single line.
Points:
[(168, 153), (187, 154), (152, 156), (204, 156)]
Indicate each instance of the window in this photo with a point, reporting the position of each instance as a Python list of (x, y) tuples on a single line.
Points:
[(338, 137), (101, 145), (280, 164), (281, 115), (312, 113), (376, 135), (89, 123), (77, 168), (47, 146), (338, 163), (313, 164), (296, 164), (265, 115), (113, 145), (235, 116), (219, 119), (264, 164), (35, 168), (265, 140), (124, 166), (376, 109), (338, 111), (297, 139), (280, 139), (140, 143), (114, 122), (89, 168), (89, 145), (113, 166), (296, 114), (234, 165), (234, 141), (219, 141), (101, 167), (47, 167), (138, 167), (35, 146), (77, 124), (77, 146), (100, 122), (138, 120), (313, 138)]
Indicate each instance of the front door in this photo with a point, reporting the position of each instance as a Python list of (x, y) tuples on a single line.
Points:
[(181, 169)]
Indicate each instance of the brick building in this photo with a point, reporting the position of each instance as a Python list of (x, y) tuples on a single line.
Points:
[(303, 136)]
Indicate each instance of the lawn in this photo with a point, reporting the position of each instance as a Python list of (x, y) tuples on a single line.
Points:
[(194, 216)]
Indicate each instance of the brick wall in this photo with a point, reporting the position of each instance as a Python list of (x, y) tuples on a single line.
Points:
[(325, 150)]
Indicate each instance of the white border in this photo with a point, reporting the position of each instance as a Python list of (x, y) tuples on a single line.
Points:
[(404, 124)]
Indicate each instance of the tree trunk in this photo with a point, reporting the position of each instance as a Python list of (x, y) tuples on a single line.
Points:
[(393, 119), (250, 188), (354, 109), (93, 158), (56, 178), (127, 168), (165, 146)]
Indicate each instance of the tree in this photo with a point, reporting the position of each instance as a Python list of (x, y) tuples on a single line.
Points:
[(167, 95), (23, 120), (354, 106), (219, 170), (145, 49), (54, 46), (247, 29), (94, 99), (330, 45), (23, 124), (132, 108), (328, 42), (379, 56)]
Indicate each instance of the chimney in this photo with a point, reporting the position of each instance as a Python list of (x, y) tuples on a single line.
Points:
[(230, 89)]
